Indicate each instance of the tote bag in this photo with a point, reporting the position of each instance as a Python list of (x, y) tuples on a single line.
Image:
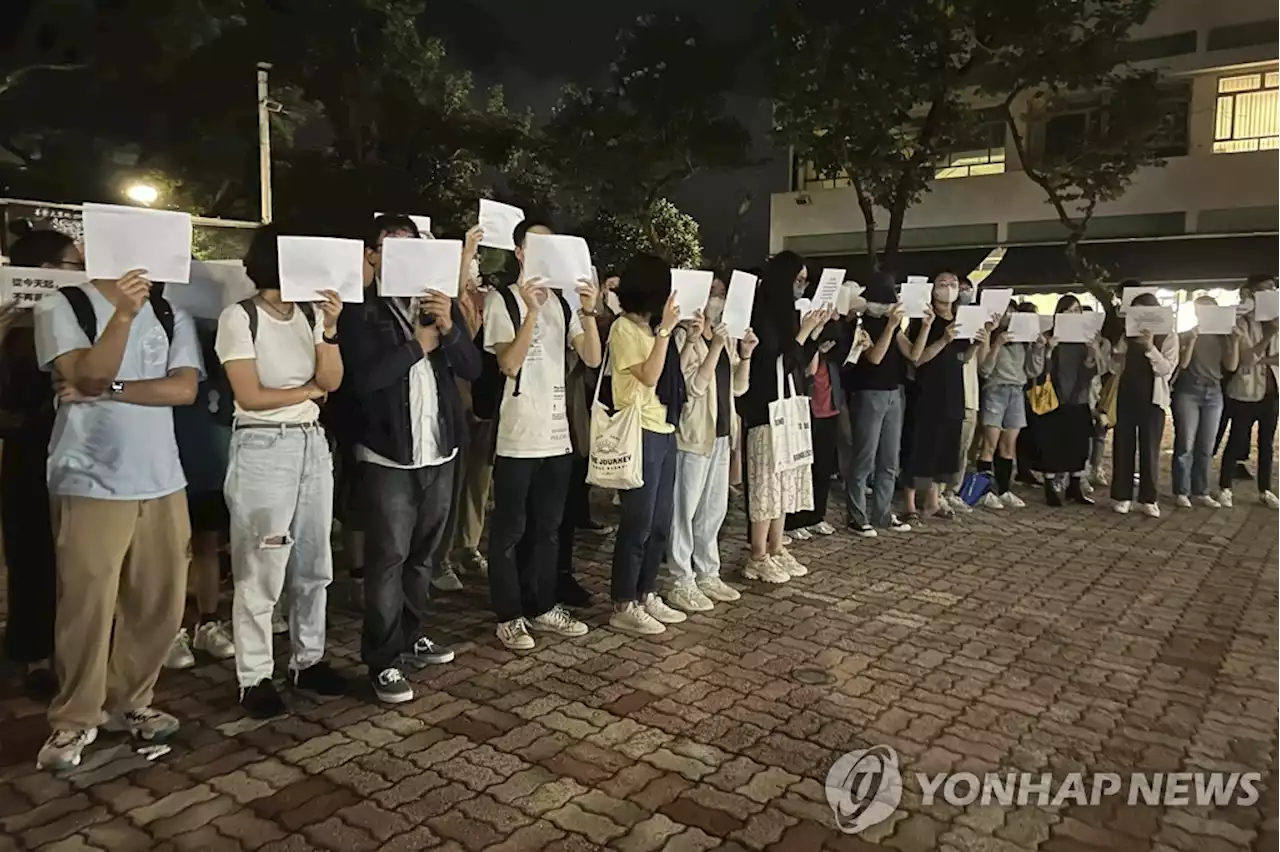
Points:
[(1041, 396), (790, 429), (615, 458)]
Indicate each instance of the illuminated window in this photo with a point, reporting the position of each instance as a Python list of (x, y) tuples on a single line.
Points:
[(981, 153), (1247, 114)]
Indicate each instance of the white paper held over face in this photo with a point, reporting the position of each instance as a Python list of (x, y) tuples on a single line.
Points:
[(1024, 328), (1266, 305), (413, 267), (1156, 319), (1215, 319), (738, 303), (563, 261), (309, 265), (118, 239), (692, 288)]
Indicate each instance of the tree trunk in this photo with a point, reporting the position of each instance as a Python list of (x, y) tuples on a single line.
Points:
[(868, 222)]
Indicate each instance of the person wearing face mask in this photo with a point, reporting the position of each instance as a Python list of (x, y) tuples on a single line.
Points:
[(1006, 369), (1252, 395), (951, 489), (1064, 435)]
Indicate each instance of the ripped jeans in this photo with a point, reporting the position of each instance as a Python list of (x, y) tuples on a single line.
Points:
[(279, 491)]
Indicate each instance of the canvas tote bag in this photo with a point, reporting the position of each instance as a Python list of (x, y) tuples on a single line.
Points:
[(792, 435), (616, 440)]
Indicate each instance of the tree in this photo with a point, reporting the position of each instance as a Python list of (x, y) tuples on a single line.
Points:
[(663, 230)]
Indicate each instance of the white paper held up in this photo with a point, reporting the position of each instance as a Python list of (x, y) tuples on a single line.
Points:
[(309, 265), (828, 288), (917, 279), (995, 302), (1073, 328), (1215, 319), (28, 285), (1130, 293), (562, 260), (1024, 328), (1156, 319), (498, 221), (692, 288), (412, 267), (423, 223), (1266, 305), (915, 297), (738, 303), (969, 321), (118, 239), (850, 298), (1046, 322)]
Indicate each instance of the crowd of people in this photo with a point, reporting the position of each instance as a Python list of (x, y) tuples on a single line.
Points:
[(140, 445)]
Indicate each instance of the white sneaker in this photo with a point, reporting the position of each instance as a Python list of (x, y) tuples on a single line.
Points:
[(786, 540), (688, 597), (990, 501), (64, 749), (515, 635), (1269, 500), (765, 569), (866, 531), (635, 620), (1012, 501), (215, 640), (1206, 501), (145, 723), (898, 525), (1182, 501), (1151, 510), (657, 607), (822, 528), (446, 579), (1225, 499), (954, 501), (1121, 507), (180, 656), (784, 560), (557, 620), (801, 534), (718, 590)]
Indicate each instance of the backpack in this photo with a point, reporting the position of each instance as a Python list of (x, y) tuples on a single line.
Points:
[(487, 390), (250, 310), (87, 319), (214, 392)]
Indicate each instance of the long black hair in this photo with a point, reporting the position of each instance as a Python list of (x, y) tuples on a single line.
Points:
[(773, 317)]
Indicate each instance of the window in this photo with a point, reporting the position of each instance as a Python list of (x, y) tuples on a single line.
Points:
[(1247, 113), (810, 179), (1067, 133), (981, 152)]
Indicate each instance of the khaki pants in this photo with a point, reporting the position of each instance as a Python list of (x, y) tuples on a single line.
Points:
[(473, 490), (122, 580)]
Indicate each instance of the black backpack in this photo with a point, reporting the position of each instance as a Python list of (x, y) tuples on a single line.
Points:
[(214, 392), (487, 391), (88, 320), (251, 311)]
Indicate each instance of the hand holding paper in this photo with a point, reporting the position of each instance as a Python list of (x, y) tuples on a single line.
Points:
[(412, 267), (995, 302), (738, 303), (311, 265)]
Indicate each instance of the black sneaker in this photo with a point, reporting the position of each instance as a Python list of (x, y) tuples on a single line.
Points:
[(321, 679), (593, 526), (570, 592), (391, 687), (427, 653), (262, 701)]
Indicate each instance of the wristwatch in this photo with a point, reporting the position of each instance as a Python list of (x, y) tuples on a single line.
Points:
[(331, 340), (664, 332), (117, 388)]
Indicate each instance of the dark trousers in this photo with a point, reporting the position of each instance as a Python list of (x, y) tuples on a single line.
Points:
[(28, 551), (645, 527), (528, 496), (405, 514), (577, 512), (826, 455), (1243, 416), (1139, 427)]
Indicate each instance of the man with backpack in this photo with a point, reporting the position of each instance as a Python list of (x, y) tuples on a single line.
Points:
[(404, 358), (529, 329), (122, 358)]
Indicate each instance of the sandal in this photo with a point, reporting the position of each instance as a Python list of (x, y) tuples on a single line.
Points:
[(911, 518), (945, 513)]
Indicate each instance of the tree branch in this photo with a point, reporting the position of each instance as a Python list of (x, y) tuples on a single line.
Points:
[(15, 77)]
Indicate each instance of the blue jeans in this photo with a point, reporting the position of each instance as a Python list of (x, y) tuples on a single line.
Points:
[(645, 527), (1197, 408), (876, 418)]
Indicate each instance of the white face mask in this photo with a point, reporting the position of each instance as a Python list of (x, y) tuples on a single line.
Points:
[(611, 301), (965, 297), (715, 310), (878, 309), (946, 295)]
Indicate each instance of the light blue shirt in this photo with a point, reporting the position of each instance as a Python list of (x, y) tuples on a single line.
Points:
[(111, 450)]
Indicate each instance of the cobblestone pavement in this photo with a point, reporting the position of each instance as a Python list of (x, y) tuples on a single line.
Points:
[(1032, 640)]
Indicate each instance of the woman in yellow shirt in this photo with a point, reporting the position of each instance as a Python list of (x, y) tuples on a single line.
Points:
[(645, 373)]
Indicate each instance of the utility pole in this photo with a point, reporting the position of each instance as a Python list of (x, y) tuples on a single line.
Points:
[(264, 140)]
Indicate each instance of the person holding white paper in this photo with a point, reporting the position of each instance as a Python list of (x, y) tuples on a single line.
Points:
[(280, 363), (972, 399), (1064, 435), (1252, 394), (405, 358), (1142, 405), (1005, 371), (1197, 408), (530, 335)]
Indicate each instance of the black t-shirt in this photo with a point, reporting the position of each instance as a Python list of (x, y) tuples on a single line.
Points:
[(724, 396), (889, 374), (941, 379)]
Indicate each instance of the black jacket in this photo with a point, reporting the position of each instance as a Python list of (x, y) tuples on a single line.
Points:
[(377, 354)]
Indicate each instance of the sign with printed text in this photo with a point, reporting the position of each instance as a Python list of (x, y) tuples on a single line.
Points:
[(26, 285)]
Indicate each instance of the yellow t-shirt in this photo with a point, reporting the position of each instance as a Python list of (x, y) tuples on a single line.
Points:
[(629, 346)]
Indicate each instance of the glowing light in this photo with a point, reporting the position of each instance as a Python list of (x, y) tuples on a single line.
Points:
[(142, 193)]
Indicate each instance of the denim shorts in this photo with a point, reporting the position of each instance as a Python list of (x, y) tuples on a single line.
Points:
[(1004, 406)]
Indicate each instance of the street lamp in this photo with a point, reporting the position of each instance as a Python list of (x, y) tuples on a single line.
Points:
[(142, 193)]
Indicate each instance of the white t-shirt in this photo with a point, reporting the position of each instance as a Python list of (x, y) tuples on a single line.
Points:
[(535, 424), (285, 355)]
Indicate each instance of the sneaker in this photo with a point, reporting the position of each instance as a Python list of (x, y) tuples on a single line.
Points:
[(322, 679), (990, 501), (427, 653), (688, 597), (1270, 500), (1225, 500), (1151, 510), (800, 534), (864, 530), (718, 590), (262, 701), (515, 636), (180, 656), (898, 525), (1121, 507), (446, 579), (1206, 501), (633, 619), (784, 560), (954, 501), (557, 620), (1182, 501), (214, 639), (786, 540), (822, 528), (63, 749), (1099, 480), (1012, 501), (145, 723), (765, 569), (279, 623), (390, 687), (657, 607)]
